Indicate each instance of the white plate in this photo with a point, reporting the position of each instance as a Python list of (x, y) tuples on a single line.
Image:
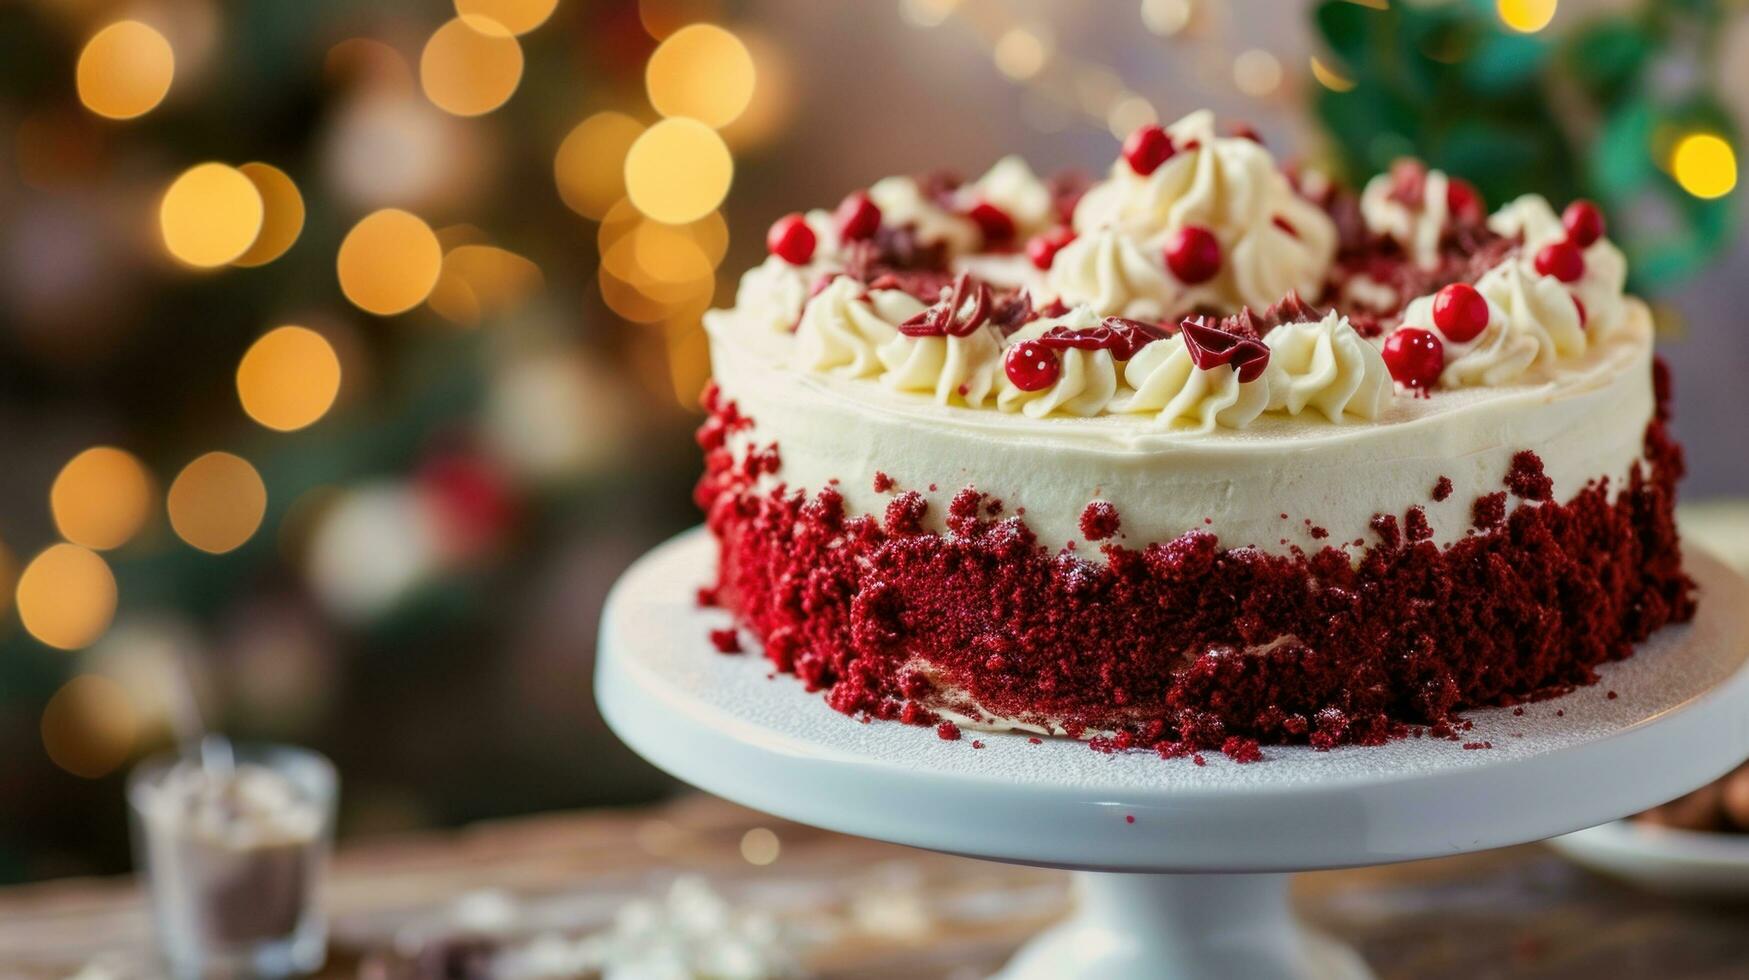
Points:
[(1664, 859)]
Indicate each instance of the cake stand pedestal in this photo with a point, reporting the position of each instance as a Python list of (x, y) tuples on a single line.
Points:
[(1183, 868)]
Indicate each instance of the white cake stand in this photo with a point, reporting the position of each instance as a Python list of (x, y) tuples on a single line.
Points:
[(1182, 868)]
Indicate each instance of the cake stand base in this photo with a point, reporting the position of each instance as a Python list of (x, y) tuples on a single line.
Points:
[(1182, 864), (1210, 925)]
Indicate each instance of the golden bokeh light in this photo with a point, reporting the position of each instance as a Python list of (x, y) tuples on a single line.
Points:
[(927, 13), (125, 70), (590, 167), (1526, 16), (217, 502), (90, 726), (1330, 78), (101, 498), (480, 281), (678, 171), (689, 361), (211, 215), (1128, 114), (701, 72), (515, 16), (66, 596), (1020, 54), (1256, 72), (470, 66), (389, 262), (282, 214), (1167, 17), (760, 846), (1705, 165), (288, 378)]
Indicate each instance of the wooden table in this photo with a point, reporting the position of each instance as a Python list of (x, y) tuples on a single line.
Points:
[(878, 910)]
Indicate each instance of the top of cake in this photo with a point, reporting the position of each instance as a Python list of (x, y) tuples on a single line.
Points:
[(1199, 288)]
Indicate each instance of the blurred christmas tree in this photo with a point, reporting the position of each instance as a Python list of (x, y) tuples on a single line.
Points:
[(327, 332), (1622, 108)]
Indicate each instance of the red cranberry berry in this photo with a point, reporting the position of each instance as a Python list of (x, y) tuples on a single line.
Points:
[(1043, 249), (1147, 148), (1415, 357), (1193, 254), (1463, 201), (1032, 366), (858, 217), (791, 240), (1579, 304), (995, 223), (1584, 223), (1460, 312), (1561, 260)]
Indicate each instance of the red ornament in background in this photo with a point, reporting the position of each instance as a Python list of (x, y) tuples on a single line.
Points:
[(791, 240), (1032, 366), (1193, 254), (994, 222), (858, 217), (1584, 223), (1042, 249), (1562, 260), (472, 498), (1464, 202), (1415, 357), (1147, 148), (1460, 312)]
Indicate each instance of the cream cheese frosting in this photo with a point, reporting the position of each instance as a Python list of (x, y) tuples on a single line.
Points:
[(1273, 239), (1587, 422), (1327, 366)]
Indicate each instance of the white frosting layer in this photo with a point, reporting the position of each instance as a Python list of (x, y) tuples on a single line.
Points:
[(1587, 420)]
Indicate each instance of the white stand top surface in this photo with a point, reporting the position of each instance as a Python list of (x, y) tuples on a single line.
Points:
[(1679, 718)]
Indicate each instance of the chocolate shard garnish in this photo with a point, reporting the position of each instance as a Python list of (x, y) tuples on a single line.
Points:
[(963, 309), (1122, 337), (1289, 309), (1013, 311), (1211, 346)]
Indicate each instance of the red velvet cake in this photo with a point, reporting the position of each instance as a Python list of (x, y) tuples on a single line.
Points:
[(1199, 456)]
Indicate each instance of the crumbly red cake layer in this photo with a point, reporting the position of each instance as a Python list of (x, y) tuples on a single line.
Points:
[(1185, 644)]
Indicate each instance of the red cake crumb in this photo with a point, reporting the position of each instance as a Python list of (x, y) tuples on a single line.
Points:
[(1242, 750), (882, 482), (1099, 521), (947, 731), (1478, 745), (1129, 818), (905, 514), (1517, 711), (1319, 533), (1415, 526), (1442, 489), (1611, 695), (1199, 760), (1526, 478), (705, 597), (977, 744), (726, 640), (1560, 712), (1183, 645), (1488, 512), (1036, 740)]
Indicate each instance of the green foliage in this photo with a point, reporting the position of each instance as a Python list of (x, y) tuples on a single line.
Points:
[(1590, 112)]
